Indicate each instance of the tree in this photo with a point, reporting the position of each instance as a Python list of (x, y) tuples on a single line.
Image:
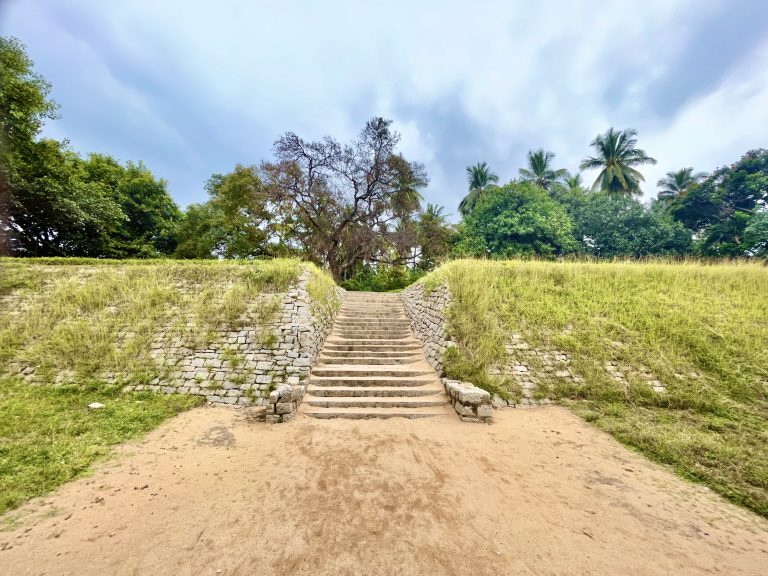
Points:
[(676, 184), (234, 223), (574, 182), (616, 157), (55, 203), (517, 219), (24, 107), (756, 234), (721, 207), (349, 201), (152, 216), (540, 171), (434, 236), (55, 209), (610, 226), (480, 179)]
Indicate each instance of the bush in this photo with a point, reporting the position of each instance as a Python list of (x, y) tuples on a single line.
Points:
[(383, 279)]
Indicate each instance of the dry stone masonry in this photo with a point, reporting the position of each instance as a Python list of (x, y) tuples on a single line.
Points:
[(528, 367), (428, 320), (305, 324), (256, 364)]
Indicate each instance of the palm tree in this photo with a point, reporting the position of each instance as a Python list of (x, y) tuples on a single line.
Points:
[(540, 170), (573, 182), (435, 213), (480, 178), (676, 184), (617, 155)]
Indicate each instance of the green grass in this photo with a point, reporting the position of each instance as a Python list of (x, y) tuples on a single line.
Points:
[(84, 317), (73, 314), (322, 290), (701, 329), (48, 435)]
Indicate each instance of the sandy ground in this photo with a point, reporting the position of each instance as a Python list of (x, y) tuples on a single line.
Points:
[(538, 492)]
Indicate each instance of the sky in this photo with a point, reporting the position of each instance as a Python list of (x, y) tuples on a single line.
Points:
[(193, 87)]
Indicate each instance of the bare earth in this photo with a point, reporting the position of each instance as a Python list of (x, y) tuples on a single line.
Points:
[(538, 492)]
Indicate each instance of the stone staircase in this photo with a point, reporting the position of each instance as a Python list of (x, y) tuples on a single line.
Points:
[(372, 366)]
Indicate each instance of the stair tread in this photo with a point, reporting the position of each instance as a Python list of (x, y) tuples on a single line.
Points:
[(426, 389), (353, 409), (438, 396)]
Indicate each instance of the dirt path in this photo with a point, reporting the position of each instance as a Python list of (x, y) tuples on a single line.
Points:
[(538, 492)]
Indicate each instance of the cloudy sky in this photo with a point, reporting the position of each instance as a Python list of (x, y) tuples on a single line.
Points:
[(193, 87)]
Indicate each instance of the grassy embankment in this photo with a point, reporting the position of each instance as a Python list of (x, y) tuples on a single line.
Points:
[(702, 330), (66, 316)]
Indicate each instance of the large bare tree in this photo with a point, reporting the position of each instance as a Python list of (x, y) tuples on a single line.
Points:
[(346, 203)]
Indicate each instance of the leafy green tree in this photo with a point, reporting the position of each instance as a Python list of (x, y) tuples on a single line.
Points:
[(54, 209), (234, 223), (152, 216), (756, 234), (612, 226), (540, 171), (480, 179), (54, 203), (616, 156), (406, 198), (25, 102), (720, 208), (516, 219), (199, 234), (25, 105)]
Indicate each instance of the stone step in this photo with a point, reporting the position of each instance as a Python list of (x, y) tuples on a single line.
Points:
[(386, 322), (379, 381), (381, 354), (376, 330), (378, 402), (373, 334), (391, 371), (373, 347), (372, 306), (368, 360), (378, 342), (356, 391), (370, 413), (371, 313)]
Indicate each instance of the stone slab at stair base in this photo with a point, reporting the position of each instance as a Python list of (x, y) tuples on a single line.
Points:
[(283, 403), (471, 403)]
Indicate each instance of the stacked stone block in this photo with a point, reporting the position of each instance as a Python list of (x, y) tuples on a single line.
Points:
[(471, 403), (240, 367), (428, 320), (305, 324)]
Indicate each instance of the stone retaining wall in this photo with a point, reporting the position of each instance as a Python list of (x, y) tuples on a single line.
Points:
[(428, 321), (243, 366), (306, 323)]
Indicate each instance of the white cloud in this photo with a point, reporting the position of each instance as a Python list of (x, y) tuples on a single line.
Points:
[(716, 129), (215, 83)]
